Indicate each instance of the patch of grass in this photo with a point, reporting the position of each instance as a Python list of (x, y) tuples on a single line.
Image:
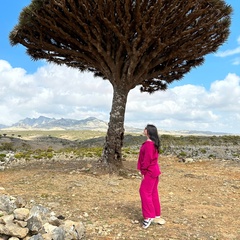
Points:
[(40, 154), (89, 152), (23, 155), (19, 155), (37, 154), (44, 195)]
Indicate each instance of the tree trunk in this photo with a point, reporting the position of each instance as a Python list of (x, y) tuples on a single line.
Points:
[(112, 151)]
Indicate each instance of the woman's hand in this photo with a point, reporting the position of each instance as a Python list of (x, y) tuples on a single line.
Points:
[(142, 176)]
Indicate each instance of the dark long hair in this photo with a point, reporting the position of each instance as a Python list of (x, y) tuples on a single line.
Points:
[(153, 135)]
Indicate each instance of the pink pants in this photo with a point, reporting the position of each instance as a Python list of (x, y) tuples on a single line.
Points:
[(149, 197)]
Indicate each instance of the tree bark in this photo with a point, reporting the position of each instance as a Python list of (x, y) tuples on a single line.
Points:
[(112, 150)]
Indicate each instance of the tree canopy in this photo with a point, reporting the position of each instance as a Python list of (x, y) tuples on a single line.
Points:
[(137, 42)]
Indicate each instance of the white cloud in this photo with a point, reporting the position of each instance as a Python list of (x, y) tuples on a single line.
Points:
[(190, 107), (228, 52), (236, 61), (55, 91), (231, 52), (52, 91)]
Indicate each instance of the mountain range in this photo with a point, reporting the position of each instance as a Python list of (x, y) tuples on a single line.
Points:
[(90, 123), (61, 124), (45, 123)]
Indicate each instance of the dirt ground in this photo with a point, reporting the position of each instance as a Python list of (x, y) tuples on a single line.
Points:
[(200, 200)]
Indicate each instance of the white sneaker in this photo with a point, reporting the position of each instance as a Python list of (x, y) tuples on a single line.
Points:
[(159, 220), (147, 222)]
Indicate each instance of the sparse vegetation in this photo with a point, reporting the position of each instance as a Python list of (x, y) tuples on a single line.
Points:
[(71, 185), (20, 155), (44, 144)]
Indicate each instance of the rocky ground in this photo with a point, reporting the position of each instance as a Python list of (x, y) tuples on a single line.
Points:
[(200, 200)]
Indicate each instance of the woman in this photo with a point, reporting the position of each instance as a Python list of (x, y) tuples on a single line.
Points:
[(150, 171)]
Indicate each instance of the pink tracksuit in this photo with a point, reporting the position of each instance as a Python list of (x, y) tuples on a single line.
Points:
[(149, 168)]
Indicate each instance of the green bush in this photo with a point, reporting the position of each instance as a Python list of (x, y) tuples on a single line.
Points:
[(2, 157), (19, 155), (7, 146), (203, 151), (84, 151), (25, 155), (182, 154), (50, 149), (40, 154), (50, 155)]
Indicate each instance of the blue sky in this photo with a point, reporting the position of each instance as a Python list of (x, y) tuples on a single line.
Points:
[(206, 99)]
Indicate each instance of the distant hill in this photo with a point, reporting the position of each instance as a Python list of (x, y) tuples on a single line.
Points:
[(2, 126), (90, 123), (42, 122), (195, 132)]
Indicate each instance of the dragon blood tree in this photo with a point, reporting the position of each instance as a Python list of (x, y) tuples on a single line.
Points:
[(149, 43)]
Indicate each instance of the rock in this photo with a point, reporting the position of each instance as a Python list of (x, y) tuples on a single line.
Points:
[(59, 234), (21, 214), (55, 233), (7, 204), (75, 230), (7, 218), (13, 230), (20, 223), (36, 237), (38, 223), (47, 236), (20, 202), (34, 224), (54, 221), (189, 160), (48, 228), (41, 211)]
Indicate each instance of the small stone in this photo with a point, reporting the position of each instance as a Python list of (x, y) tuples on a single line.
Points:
[(21, 214), (113, 183), (85, 214), (189, 160), (54, 221), (2, 190)]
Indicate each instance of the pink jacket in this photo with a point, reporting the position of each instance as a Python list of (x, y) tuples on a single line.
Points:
[(148, 160)]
